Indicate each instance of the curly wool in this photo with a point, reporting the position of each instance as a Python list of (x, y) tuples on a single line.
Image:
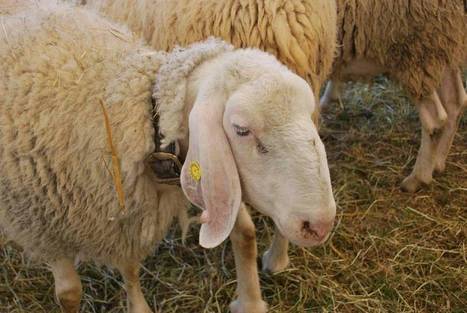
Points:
[(414, 41), (57, 195), (171, 85)]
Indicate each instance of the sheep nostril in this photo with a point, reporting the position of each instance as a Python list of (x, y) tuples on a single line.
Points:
[(317, 232), (307, 230)]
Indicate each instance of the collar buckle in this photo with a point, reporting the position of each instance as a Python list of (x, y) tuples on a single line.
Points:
[(166, 166)]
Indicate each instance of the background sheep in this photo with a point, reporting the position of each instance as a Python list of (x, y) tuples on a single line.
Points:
[(420, 45), (59, 64), (301, 33)]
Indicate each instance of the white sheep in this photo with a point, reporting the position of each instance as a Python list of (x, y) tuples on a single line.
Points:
[(240, 118), (300, 33), (420, 45)]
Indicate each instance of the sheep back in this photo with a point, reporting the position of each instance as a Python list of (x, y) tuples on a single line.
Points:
[(57, 194), (301, 33)]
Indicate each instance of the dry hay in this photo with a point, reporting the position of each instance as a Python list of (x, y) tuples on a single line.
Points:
[(390, 251)]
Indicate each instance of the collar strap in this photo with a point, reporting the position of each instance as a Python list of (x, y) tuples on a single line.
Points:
[(164, 161)]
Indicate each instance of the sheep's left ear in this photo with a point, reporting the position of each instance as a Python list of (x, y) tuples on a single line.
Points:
[(209, 175)]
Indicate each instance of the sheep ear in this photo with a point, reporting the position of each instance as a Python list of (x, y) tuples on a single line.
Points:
[(209, 175)]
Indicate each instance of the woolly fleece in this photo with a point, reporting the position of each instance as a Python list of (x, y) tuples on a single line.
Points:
[(414, 41), (300, 33), (57, 196)]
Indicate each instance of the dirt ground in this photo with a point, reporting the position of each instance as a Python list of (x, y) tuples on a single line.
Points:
[(390, 251)]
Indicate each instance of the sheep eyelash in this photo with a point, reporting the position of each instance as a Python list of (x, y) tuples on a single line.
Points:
[(241, 131)]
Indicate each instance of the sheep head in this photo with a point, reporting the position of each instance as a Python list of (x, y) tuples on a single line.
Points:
[(251, 138)]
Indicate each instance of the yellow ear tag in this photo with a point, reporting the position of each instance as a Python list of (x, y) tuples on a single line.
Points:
[(195, 170)]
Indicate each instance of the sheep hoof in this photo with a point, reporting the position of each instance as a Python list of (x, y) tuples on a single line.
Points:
[(144, 309), (440, 166), (248, 307), (138, 306), (67, 305), (273, 263), (411, 184)]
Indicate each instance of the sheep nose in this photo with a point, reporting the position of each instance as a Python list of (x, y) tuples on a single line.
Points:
[(318, 231)]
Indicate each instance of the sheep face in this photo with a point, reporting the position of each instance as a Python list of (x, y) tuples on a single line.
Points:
[(253, 139), (280, 157)]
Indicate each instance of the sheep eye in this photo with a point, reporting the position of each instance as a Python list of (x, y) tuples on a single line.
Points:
[(241, 131), (261, 148)]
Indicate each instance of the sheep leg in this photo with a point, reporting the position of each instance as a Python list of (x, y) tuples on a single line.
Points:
[(276, 258), (243, 239), (453, 96), (136, 301), (432, 114), (422, 172), (68, 287), (433, 117), (331, 93)]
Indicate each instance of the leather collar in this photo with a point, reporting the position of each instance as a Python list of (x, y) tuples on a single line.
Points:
[(165, 162)]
